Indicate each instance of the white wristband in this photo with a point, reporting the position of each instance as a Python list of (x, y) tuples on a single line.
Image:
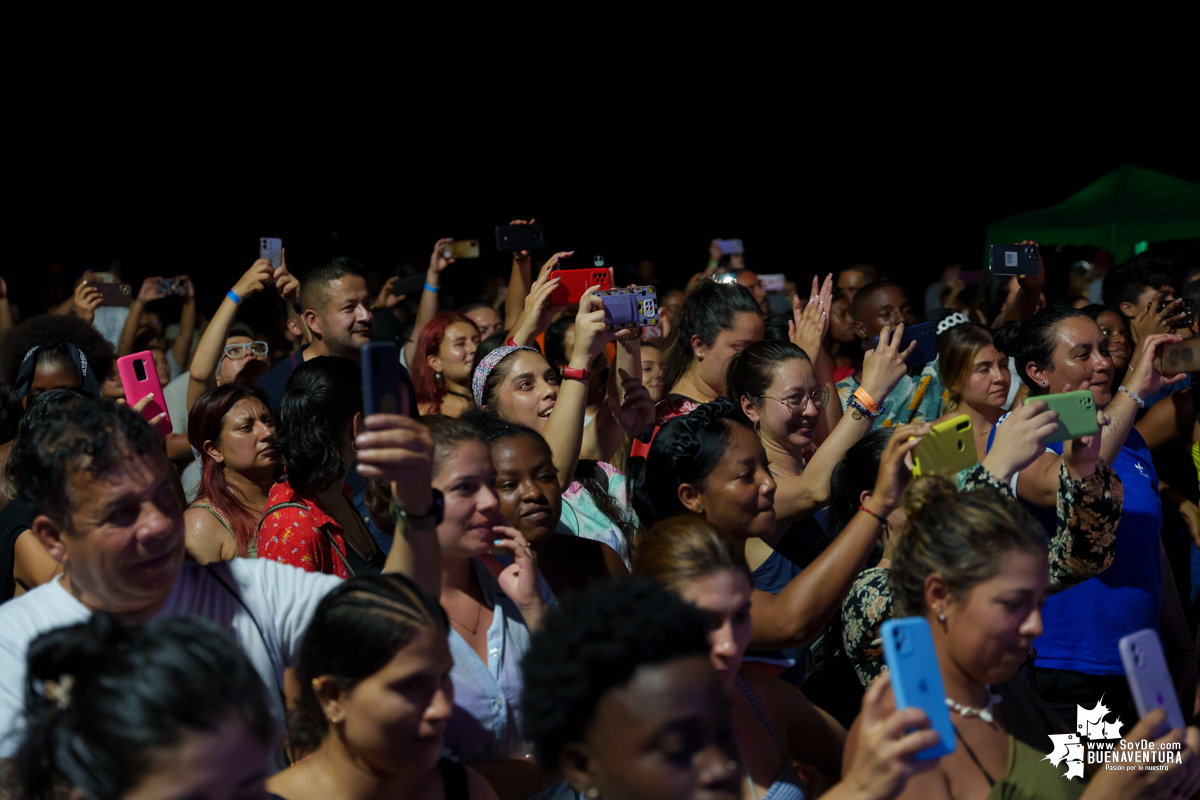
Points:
[(1141, 403)]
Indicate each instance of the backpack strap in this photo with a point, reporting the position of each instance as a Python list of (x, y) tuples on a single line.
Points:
[(324, 529), (271, 509)]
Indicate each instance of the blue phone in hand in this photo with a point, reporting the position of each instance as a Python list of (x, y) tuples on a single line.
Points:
[(916, 679), (925, 335)]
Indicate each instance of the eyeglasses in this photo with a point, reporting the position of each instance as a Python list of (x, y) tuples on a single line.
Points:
[(239, 350), (797, 405)]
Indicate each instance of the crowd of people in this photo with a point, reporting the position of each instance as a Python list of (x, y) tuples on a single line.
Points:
[(584, 560)]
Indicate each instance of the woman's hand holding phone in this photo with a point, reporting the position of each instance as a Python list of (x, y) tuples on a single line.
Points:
[(894, 472), (1145, 380), (537, 313), (399, 450), (1024, 433), (258, 277)]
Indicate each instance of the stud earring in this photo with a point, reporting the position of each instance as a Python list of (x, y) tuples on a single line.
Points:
[(437, 376), (941, 615), (1045, 383), (334, 719), (592, 793)]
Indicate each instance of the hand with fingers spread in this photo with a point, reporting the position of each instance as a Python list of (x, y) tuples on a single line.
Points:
[(636, 412), (258, 277), (884, 367), (387, 298), (1019, 439), (1150, 321), (519, 580), (521, 255), (87, 300), (399, 450), (536, 316), (810, 321), (886, 747)]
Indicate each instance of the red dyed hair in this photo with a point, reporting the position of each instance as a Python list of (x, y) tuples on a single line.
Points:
[(206, 420), (430, 390)]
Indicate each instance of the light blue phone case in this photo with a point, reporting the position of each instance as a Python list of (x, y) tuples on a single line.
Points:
[(916, 679)]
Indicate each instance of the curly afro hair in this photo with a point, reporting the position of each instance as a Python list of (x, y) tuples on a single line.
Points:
[(594, 642), (50, 330)]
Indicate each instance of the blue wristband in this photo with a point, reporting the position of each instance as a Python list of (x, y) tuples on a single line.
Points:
[(429, 288), (233, 297)]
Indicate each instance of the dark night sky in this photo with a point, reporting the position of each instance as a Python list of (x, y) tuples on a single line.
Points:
[(804, 201)]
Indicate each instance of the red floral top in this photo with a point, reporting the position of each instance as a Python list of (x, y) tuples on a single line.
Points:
[(295, 536)]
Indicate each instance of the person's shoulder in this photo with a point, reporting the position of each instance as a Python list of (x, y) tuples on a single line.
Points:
[(41, 609)]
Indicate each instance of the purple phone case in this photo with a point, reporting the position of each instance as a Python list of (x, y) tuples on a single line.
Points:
[(624, 308)]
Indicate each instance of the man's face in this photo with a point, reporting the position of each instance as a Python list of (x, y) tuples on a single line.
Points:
[(750, 281), (124, 544), (849, 282), (486, 320), (887, 305), (346, 320)]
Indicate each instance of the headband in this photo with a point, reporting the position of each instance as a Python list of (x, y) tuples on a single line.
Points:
[(489, 362), (87, 378), (955, 319)]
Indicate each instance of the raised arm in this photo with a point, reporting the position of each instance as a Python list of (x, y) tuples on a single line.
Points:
[(212, 343), (520, 283), (803, 495), (87, 299), (1169, 419), (1025, 302), (1142, 379), (811, 599), (535, 316), (627, 409), (187, 324), (148, 292), (564, 431), (427, 308)]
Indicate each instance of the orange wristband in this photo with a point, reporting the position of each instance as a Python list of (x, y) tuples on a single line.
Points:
[(861, 395)]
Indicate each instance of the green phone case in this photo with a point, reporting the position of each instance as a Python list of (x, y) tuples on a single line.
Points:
[(1076, 415), (948, 448)]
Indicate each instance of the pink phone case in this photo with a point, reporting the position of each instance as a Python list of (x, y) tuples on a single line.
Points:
[(136, 388)]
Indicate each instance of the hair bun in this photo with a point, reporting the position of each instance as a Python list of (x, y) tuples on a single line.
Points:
[(924, 492)]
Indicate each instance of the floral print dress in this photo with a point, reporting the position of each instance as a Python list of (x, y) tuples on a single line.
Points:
[(1088, 512)]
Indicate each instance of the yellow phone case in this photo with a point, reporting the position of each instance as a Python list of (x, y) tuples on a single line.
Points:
[(948, 448)]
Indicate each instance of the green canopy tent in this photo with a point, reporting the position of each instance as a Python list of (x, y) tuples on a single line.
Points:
[(1130, 204)]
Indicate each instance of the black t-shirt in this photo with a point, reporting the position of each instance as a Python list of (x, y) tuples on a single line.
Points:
[(15, 519)]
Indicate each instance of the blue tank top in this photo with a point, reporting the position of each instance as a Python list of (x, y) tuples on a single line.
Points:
[(1083, 623)]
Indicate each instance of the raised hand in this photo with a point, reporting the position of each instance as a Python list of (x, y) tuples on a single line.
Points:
[(1146, 380), (894, 473), (1019, 439), (636, 411), (810, 322), (1034, 283), (1150, 321), (149, 290), (884, 367), (287, 284), (536, 316), (398, 449), (591, 337), (87, 300), (258, 277), (387, 296), (714, 251), (888, 742), (187, 281), (519, 580), (521, 255), (438, 260)]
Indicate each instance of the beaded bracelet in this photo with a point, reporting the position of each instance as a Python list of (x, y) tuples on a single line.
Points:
[(860, 411), (882, 520), (1141, 403)]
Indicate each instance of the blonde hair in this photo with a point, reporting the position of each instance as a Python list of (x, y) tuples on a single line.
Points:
[(957, 349)]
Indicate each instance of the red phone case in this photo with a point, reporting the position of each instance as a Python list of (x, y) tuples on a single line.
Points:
[(577, 281), (136, 389)]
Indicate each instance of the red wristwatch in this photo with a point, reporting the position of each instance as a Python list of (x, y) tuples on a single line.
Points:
[(577, 374)]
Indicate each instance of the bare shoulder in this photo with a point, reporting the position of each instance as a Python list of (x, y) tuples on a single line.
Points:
[(478, 788), (207, 538)]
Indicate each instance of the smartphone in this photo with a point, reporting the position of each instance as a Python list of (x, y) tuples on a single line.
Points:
[(916, 679), (772, 282), (140, 378), (925, 335), (1186, 315), (574, 282), (1149, 679), (729, 246), (271, 250), (463, 248), (634, 307), (1076, 415), (949, 447), (510, 238), (1179, 357), (1013, 259), (104, 277), (114, 294), (172, 287), (382, 392), (970, 277)]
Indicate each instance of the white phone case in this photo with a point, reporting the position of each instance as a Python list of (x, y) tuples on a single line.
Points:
[(1148, 676)]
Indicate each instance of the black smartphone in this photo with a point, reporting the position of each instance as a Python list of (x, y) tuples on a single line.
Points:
[(511, 238), (1013, 259), (1186, 315), (172, 287), (382, 393)]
